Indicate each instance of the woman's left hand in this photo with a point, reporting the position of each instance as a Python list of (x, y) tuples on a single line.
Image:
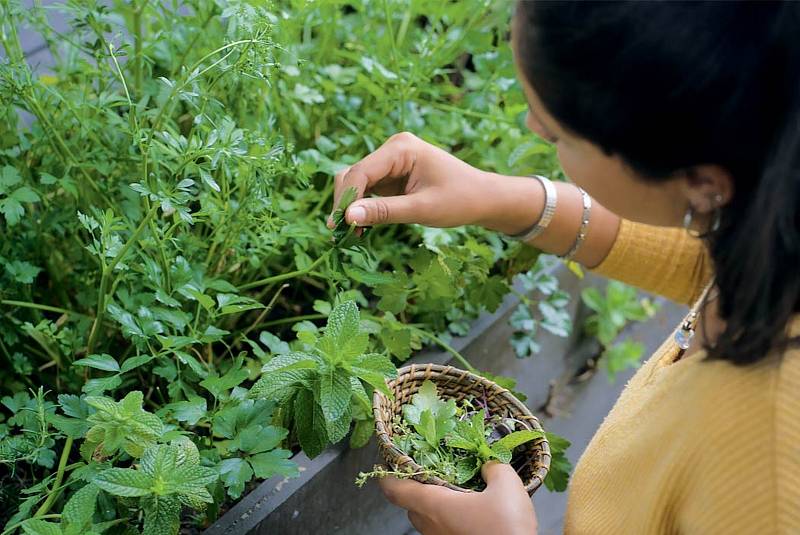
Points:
[(503, 508)]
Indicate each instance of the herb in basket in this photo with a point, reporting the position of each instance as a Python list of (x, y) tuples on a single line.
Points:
[(452, 440)]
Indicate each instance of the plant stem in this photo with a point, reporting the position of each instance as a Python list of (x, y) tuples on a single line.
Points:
[(37, 306), (62, 464), (108, 271), (447, 347), (286, 276), (292, 319), (11, 529)]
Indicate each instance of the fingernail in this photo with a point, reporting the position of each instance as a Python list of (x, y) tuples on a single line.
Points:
[(358, 214)]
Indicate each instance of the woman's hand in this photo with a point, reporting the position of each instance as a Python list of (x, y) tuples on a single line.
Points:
[(503, 508), (418, 183)]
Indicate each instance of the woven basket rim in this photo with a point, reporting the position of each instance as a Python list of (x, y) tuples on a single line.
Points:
[(416, 373)]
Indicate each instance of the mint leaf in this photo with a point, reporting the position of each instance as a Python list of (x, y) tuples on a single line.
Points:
[(512, 440), (124, 482), (161, 515), (103, 362), (122, 425), (334, 393), (76, 516), (310, 424), (34, 526), (343, 338)]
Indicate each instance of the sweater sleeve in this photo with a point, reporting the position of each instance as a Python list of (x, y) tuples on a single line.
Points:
[(660, 260)]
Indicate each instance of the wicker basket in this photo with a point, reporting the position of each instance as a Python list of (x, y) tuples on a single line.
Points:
[(532, 465)]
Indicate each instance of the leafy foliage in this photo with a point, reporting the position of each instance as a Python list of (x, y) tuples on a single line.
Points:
[(452, 440), (612, 312), (319, 388), (163, 191)]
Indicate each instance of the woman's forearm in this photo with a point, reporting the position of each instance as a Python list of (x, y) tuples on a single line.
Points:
[(515, 203)]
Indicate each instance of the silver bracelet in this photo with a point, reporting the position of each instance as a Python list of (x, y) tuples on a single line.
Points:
[(587, 210), (550, 200)]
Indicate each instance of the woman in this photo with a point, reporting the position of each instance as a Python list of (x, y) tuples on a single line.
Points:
[(667, 115)]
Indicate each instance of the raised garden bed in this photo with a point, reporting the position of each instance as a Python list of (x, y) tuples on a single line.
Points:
[(308, 504)]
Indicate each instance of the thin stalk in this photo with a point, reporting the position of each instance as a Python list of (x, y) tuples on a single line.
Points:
[(447, 347), (37, 306), (62, 464), (108, 272), (286, 276), (292, 319), (138, 64), (11, 529)]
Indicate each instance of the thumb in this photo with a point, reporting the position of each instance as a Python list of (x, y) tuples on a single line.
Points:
[(380, 210), (501, 477)]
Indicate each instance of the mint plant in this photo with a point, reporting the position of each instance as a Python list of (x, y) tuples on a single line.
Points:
[(317, 388)]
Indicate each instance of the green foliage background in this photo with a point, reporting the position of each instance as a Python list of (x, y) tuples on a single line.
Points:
[(163, 191)]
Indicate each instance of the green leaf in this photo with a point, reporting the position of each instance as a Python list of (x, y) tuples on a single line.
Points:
[(275, 462), (512, 440), (334, 393), (35, 526), (102, 361), (337, 429), (466, 469), (123, 425), (279, 386), (374, 369), (134, 362), (162, 515), (76, 516), (22, 272), (430, 416), (560, 467), (190, 412), (219, 386), (340, 227), (177, 472), (258, 438), (291, 361), (362, 432), (310, 424), (343, 340), (235, 473), (124, 482)]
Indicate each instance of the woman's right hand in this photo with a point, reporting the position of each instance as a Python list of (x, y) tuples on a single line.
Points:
[(417, 183)]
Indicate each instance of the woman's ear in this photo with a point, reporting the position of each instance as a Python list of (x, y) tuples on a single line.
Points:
[(707, 187)]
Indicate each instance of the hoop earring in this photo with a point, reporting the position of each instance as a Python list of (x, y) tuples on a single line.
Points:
[(687, 223), (716, 220)]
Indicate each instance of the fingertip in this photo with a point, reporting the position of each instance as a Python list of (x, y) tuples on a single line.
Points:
[(495, 472), (357, 215)]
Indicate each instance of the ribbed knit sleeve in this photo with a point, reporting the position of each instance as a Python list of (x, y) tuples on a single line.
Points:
[(663, 261)]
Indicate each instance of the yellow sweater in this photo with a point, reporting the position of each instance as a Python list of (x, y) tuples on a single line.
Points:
[(693, 446)]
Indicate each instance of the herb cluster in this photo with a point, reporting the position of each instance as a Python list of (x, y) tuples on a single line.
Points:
[(453, 440)]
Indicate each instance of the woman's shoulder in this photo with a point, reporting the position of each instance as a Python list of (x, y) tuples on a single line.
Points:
[(742, 426)]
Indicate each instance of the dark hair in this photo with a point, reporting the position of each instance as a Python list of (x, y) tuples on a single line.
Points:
[(671, 85)]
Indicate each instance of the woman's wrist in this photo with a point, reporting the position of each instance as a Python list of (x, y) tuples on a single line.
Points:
[(510, 204)]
